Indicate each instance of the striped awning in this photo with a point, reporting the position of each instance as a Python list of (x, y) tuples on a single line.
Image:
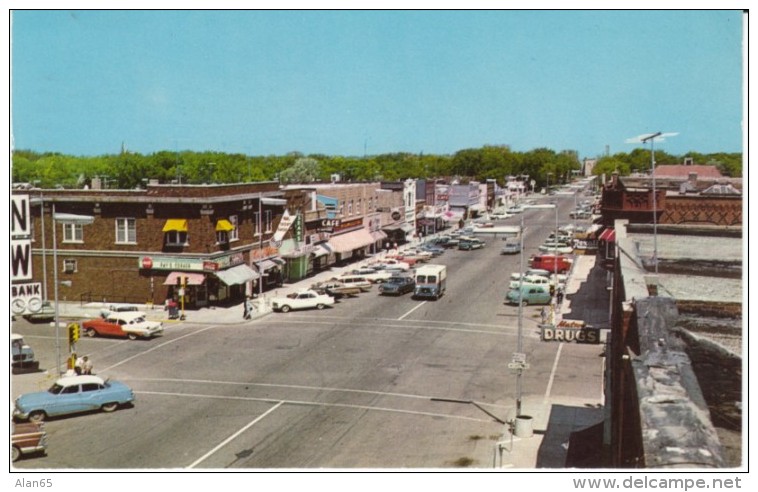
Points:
[(175, 225), (223, 225), (237, 275), (350, 241), (192, 278)]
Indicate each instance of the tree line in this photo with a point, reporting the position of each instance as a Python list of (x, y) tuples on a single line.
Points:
[(128, 170)]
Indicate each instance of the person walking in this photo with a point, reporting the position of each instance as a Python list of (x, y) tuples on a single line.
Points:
[(249, 308), (86, 365)]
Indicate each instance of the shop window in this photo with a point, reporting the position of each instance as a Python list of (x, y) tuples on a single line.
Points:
[(234, 234), (126, 231)]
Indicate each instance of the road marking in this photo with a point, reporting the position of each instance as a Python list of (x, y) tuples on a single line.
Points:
[(233, 436), (353, 320), (552, 373), (409, 312), (402, 327), (316, 404), (157, 347)]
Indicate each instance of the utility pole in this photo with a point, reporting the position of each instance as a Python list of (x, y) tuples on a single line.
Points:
[(655, 198)]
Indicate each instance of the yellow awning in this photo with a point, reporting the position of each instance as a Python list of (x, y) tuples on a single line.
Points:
[(224, 225), (175, 225)]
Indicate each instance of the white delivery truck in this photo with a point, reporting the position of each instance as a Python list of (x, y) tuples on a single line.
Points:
[(431, 282)]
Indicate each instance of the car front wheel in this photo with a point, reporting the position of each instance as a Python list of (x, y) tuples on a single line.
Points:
[(90, 332), (37, 416), (285, 309), (15, 453), (132, 336), (110, 407), (319, 306)]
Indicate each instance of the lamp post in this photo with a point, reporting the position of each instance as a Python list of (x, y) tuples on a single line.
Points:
[(655, 198), (520, 342), (66, 219)]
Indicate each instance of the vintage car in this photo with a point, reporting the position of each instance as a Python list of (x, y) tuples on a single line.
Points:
[(304, 299), (469, 243), (371, 274), (511, 248), (27, 438), (530, 294), (45, 313), (130, 324), (73, 394), (397, 286), (395, 263), (336, 289), (551, 263), (556, 247)]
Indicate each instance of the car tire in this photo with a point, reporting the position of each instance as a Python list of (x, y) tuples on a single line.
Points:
[(319, 306), (90, 332), (285, 309), (524, 303), (109, 407), (131, 336), (15, 453), (37, 416)]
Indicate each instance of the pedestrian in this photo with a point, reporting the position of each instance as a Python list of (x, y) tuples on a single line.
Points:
[(559, 296), (249, 308), (245, 312), (78, 365), (543, 314), (86, 365)]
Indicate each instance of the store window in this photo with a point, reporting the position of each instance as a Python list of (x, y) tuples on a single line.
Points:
[(177, 238)]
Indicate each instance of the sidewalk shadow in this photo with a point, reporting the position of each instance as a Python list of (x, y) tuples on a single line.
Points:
[(567, 442)]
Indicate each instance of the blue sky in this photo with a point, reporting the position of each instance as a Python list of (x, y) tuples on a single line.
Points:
[(349, 82)]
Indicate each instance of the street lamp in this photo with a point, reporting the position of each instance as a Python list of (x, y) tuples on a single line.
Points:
[(66, 219), (652, 138)]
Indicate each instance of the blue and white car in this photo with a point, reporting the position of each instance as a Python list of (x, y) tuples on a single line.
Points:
[(73, 394)]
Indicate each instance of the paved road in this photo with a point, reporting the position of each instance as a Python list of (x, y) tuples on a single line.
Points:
[(375, 382)]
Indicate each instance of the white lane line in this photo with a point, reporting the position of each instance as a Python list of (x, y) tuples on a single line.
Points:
[(353, 320), (402, 327), (233, 436), (156, 348), (316, 404), (552, 374), (409, 312)]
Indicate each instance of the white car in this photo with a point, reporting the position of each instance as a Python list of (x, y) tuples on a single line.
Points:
[(557, 248), (531, 280), (370, 274), (390, 262), (304, 299)]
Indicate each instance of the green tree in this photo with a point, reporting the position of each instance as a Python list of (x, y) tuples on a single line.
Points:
[(304, 170)]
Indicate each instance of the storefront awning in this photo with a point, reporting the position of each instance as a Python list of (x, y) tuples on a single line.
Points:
[(407, 227), (192, 278), (321, 250), (608, 235), (264, 265), (237, 275), (175, 225), (378, 236), (223, 225), (350, 241)]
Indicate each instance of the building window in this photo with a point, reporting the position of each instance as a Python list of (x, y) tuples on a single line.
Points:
[(177, 238), (234, 234), (268, 220), (350, 207), (73, 233), (358, 207), (257, 219), (126, 231), (222, 237), (69, 266)]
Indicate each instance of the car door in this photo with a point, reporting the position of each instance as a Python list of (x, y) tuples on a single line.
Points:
[(65, 402), (91, 397)]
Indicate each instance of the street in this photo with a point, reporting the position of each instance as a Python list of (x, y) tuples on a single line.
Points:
[(373, 382)]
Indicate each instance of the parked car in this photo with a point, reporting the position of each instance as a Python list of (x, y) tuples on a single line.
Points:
[(531, 280), (27, 438), (360, 281), (470, 243), (336, 289), (370, 274), (46, 313), (551, 263), (130, 324), (515, 209), (304, 299), (580, 214), (530, 294), (73, 394), (447, 241), (399, 262), (397, 285), (22, 356), (432, 248), (499, 215), (511, 247), (556, 247)]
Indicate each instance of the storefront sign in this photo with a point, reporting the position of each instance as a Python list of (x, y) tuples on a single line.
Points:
[(570, 331), (190, 264), (346, 225), (284, 225)]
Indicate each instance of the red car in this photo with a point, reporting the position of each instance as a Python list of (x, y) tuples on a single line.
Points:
[(551, 263), (130, 324)]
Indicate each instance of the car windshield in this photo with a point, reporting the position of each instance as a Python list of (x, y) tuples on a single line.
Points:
[(292, 296), (55, 389)]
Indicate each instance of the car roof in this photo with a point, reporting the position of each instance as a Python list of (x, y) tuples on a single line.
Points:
[(72, 380), (126, 314)]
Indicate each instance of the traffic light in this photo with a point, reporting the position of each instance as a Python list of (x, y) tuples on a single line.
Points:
[(73, 332)]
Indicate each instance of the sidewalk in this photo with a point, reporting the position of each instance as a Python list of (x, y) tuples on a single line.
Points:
[(542, 441)]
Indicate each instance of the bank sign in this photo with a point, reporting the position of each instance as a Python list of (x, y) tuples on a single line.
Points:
[(570, 331), (26, 297)]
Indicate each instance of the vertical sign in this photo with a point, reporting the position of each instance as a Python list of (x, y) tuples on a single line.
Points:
[(21, 242)]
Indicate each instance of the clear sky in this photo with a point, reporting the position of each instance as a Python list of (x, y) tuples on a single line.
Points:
[(355, 82)]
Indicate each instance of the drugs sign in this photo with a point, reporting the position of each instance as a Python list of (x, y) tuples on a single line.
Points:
[(570, 331)]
